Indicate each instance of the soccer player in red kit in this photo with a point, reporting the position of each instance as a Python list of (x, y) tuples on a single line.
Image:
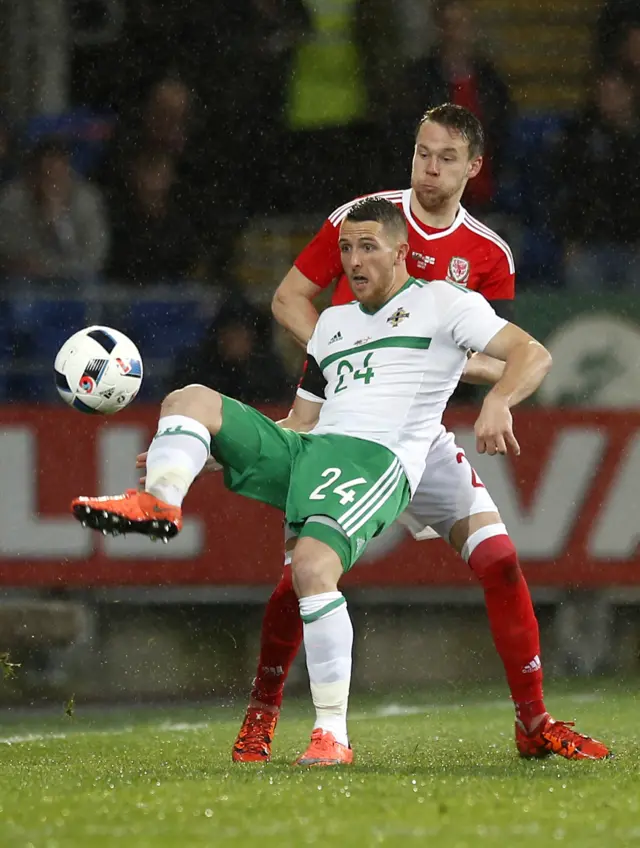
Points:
[(445, 243)]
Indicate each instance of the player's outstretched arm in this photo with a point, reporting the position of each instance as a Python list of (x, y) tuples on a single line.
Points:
[(482, 370), (292, 305), (527, 364), (303, 415)]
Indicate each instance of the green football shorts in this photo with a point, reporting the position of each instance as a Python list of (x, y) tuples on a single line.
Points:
[(361, 485)]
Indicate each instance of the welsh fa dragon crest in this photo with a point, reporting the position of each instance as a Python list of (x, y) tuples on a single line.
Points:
[(458, 271)]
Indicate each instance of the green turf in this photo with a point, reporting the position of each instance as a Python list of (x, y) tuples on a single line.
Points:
[(445, 776)]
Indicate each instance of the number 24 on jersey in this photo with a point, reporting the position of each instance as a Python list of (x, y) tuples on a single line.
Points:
[(346, 370)]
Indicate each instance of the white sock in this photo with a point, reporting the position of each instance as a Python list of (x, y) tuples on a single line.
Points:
[(328, 640), (176, 456)]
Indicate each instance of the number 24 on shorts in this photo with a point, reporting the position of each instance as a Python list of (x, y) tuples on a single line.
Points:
[(347, 495)]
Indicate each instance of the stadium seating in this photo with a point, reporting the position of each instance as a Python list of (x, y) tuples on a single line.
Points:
[(533, 137), (37, 319), (41, 325), (85, 132), (161, 328)]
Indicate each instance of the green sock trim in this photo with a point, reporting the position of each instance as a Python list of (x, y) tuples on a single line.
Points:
[(178, 431), (314, 616)]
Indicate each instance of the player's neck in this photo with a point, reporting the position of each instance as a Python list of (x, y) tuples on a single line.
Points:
[(441, 218), (400, 279)]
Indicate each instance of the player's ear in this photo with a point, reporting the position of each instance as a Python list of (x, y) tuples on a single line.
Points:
[(474, 167), (402, 252)]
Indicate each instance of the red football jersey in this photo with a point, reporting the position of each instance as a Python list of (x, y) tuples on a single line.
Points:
[(467, 253)]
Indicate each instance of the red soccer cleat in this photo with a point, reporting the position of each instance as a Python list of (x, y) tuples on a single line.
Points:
[(325, 751), (133, 512), (253, 742), (558, 737)]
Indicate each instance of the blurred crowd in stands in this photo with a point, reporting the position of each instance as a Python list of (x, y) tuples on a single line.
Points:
[(202, 117)]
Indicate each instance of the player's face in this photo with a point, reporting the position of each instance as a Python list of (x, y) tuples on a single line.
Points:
[(370, 256), (441, 166)]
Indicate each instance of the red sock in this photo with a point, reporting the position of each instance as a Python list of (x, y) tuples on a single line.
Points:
[(513, 622), (280, 641)]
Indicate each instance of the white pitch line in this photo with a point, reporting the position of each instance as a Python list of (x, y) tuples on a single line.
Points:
[(398, 710), (395, 710), (43, 737)]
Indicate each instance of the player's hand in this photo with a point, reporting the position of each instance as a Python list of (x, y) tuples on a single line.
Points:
[(494, 428)]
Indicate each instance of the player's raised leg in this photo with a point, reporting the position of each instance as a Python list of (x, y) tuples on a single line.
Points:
[(255, 453), (177, 454)]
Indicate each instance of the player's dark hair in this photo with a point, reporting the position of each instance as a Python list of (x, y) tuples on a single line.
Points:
[(380, 210), (459, 119)]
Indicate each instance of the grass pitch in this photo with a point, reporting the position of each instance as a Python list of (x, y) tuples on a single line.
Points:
[(438, 774)]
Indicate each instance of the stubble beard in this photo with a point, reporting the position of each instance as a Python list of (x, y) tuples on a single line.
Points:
[(434, 203)]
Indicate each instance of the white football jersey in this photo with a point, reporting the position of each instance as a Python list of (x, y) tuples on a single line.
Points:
[(386, 376)]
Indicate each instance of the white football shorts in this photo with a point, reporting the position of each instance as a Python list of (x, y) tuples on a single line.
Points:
[(448, 491)]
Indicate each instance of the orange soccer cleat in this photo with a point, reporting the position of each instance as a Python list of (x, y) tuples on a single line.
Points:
[(133, 512), (253, 742), (558, 737), (325, 751)]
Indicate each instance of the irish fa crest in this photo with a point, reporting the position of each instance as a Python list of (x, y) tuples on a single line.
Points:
[(458, 271), (399, 315)]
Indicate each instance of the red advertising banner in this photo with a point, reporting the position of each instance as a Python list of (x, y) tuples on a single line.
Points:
[(571, 504)]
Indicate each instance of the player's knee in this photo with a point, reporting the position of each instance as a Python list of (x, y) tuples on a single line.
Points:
[(310, 578), (504, 572), (195, 401), (313, 568)]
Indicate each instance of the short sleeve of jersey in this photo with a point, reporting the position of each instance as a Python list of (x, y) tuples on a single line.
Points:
[(499, 282), (470, 319), (320, 260)]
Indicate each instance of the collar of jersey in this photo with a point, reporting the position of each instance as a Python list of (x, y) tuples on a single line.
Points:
[(410, 282), (406, 206)]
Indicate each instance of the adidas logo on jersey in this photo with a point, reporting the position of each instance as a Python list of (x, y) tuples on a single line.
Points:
[(335, 338)]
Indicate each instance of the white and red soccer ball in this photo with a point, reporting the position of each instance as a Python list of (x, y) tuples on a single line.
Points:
[(98, 370)]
